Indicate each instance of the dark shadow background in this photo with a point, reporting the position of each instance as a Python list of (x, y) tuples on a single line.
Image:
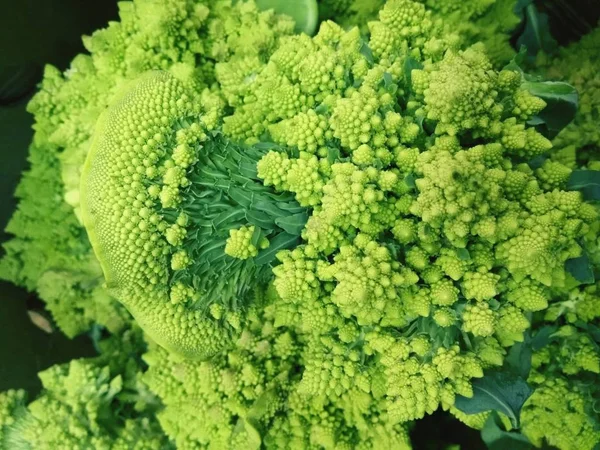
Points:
[(36, 32)]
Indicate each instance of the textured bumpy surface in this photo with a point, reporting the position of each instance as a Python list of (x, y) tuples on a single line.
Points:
[(161, 200), (324, 238), (50, 252), (120, 190)]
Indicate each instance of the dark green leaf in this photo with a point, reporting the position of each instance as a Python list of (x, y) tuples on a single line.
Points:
[(536, 34), (518, 61), (542, 337), (229, 216), (581, 269), (499, 391), (333, 154), (304, 12), (519, 358), (593, 330), (561, 105), (365, 50), (263, 146), (463, 254), (292, 224), (539, 160), (409, 180), (586, 181), (496, 438), (561, 98), (260, 219), (282, 241)]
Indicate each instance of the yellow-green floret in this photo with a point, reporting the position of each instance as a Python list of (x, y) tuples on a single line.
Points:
[(158, 203)]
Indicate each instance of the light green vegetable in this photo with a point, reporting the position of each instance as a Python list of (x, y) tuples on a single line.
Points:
[(323, 238)]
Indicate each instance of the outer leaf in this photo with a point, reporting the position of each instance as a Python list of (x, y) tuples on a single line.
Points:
[(293, 224), (505, 392), (365, 50), (586, 181), (562, 100), (581, 269), (497, 439), (463, 254), (519, 358), (543, 337), (409, 65), (304, 12), (280, 242), (536, 34), (592, 329)]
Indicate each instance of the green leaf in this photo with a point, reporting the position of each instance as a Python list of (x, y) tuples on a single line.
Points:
[(260, 219), (586, 181), (463, 254), (323, 108), (365, 50), (519, 358), (388, 83), (266, 145), (333, 154), (543, 337), (253, 440), (561, 98), (409, 180), (561, 105), (304, 12), (282, 241), (256, 236), (504, 392), (496, 438), (517, 62), (581, 269), (536, 34), (409, 65), (292, 224)]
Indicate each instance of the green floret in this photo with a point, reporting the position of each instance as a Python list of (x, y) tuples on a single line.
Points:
[(50, 252), (12, 403), (223, 402), (489, 22), (88, 403), (159, 201), (240, 243), (576, 64), (556, 413), (324, 239), (186, 37)]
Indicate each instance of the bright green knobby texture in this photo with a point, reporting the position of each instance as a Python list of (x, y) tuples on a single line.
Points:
[(435, 224), (49, 252), (95, 403), (304, 12), (159, 198)]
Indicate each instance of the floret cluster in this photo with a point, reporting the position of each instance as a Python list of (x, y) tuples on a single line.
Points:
[(296, 242)]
